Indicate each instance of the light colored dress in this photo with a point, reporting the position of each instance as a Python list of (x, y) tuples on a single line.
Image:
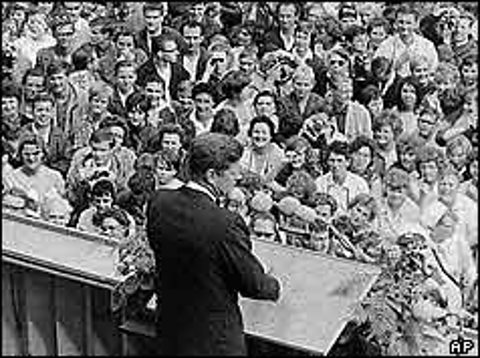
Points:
[(267, 164)]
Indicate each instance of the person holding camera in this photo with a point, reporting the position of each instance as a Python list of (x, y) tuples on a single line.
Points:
[(301, 104)]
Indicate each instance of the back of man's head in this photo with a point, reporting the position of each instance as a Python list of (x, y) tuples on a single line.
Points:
[(212, 151)]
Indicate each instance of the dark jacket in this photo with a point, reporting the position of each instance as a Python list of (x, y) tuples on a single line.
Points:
[(204, 260), (201, 64), (148, 71), (141, 39), (290, 118), (115, 105)]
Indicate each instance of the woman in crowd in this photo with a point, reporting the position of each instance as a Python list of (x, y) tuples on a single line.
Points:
[(262, 156), (407, 101), (232, 86), (366, 162), (34, 181), (386, 129)]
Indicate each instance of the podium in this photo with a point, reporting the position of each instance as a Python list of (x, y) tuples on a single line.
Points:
[(57, 283)]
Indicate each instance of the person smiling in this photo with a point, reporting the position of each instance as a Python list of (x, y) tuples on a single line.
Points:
[(56, 145), (339, 182), (35, 179), (262, 156)]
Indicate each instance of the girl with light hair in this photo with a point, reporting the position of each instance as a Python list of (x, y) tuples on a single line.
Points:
[(422, 69), (446, 77), (458, 150)]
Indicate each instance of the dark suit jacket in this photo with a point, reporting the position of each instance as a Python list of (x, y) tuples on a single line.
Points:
[(57, 149), (290, 118), (148, 71), (204, 259), (115, 105), (272, 42), (201, 64), (141, 39)]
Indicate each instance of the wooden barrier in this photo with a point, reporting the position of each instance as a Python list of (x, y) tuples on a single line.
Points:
[(44, 314), (56, 285)]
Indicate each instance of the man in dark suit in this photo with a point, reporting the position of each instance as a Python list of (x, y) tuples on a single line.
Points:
[(163, 65), (194, 60), (204, 258), (295, 108), (154, 15), (283, 36)]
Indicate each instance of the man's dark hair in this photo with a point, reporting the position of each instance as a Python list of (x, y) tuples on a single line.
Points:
[(172, 160), (347, 10), (60, 19), (297, 7), (124, 63), (104, 22), (43, 97), (154, 6), (376, 22), (360, 142), (368, 94), (203, 87), (192, 24), (158, 43), (10, 89), (225, 121), (113, 121), (212, 151), (405, 9), (101, 135), (36, 71), (265, 93), (155, 144), (137, 100), (142, 183), (354, 31), (103, 187), (340, 148), (81, 58), (58, 67), (233, 83), (127, 33)]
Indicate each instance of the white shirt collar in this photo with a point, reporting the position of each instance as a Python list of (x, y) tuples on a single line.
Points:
[(195, 186)]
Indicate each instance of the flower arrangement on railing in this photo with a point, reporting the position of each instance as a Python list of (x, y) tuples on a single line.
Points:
[(405, 312), (137, 266)]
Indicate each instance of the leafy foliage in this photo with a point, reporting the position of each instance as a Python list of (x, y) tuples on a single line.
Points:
[(137, 265), (403, 316)]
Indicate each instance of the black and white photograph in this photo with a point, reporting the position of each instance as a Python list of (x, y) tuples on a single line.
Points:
[(240, 178)]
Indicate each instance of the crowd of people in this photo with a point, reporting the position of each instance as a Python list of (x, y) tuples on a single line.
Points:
[(358, 120)]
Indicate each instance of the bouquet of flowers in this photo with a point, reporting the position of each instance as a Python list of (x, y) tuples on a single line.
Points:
[(404, 311), (137, 266)]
